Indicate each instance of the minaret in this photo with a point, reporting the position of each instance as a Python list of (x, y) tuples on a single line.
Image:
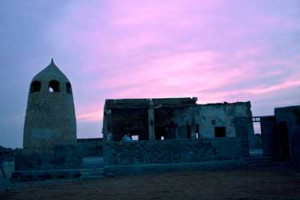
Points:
[(50, 114)]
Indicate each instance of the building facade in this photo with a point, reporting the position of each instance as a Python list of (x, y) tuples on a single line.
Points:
[(174, 130)]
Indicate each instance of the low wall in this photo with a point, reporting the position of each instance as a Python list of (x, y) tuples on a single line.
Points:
[(34, 175), (62, 157), (172, 151), (174, 167), (91, 147)]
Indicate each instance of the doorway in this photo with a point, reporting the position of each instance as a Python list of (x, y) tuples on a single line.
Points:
[(284, 139)]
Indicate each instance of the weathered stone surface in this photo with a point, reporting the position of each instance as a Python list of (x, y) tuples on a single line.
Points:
[(91, 147), (142, 103), (63, 157), (172, 151), (209, 116), (173, 167)]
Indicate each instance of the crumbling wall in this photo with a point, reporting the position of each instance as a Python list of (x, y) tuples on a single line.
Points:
[(172, 151), (210, 116), (183, 118)]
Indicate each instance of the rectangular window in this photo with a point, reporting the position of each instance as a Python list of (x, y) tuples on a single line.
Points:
[(188, 131), (220, 131)]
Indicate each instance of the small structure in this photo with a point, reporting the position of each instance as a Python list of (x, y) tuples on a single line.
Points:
[(172, 118), (174, 130), (281, 134), (50, 124), (50, 114)]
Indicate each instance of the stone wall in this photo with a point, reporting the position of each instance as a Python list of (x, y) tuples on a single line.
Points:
[(91, 147), (172, 151), (62, 157), (50, 120), (209, 116)]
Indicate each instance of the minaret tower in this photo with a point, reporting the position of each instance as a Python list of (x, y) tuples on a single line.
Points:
[(50, 114)]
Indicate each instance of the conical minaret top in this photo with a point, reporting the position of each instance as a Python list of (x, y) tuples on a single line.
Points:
[(51, 72)]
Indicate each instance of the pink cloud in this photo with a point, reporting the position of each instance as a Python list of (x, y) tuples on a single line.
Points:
[(191, 69), (273, 88), (208, 49), (91, 113)]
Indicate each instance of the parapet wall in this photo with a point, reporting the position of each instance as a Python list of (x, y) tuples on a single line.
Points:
[(172, 151)]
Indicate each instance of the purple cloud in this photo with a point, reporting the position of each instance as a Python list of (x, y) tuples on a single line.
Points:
[(215, 50)]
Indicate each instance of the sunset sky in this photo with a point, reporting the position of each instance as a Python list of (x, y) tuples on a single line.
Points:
[(216, 50)]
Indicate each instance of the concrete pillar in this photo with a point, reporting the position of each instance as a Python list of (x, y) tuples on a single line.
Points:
[(192, 124), (108, 124), (151, 126)]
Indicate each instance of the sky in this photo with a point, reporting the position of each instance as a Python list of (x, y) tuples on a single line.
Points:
[(216, 50)]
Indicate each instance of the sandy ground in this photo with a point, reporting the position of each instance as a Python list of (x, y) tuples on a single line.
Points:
[(252, 183)]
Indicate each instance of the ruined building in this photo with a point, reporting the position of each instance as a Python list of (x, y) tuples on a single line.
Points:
[(280, 134), (50, 114), (178, 130), (175, 130), (141, 135), (172, 118)]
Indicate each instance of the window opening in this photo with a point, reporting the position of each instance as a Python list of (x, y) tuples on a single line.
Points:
[(54, 86), (284, 139), (35, 86), (220, 131), (188, 131)]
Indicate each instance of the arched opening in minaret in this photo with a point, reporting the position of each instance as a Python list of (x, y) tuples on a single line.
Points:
[(35, 86), (54, 86), (69, 88)]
